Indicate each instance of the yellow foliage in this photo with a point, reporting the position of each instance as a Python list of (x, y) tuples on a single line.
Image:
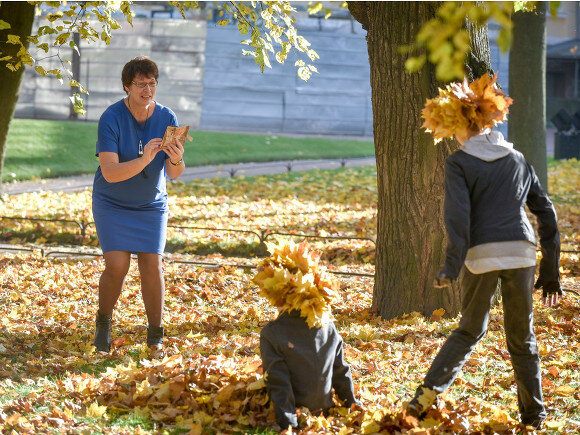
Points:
[(292, 279), (465, 109), (95, 410)]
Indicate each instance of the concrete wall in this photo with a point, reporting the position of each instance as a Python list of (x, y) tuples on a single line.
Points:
[(206, 80), (176, 46), (237, 96)]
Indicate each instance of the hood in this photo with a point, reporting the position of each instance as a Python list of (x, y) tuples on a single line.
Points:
[(488, 147)]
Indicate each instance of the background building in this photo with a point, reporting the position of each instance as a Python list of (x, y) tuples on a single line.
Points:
[(207, 81)]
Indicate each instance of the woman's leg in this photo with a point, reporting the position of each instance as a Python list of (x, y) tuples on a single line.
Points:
[(110, 287), (152, 286), (111, 283)]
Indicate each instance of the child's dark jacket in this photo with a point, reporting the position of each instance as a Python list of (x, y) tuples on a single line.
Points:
[(485, 201), (302, 365)]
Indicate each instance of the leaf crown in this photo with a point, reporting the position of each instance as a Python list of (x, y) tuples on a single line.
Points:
[(292, 279), (464, 109)]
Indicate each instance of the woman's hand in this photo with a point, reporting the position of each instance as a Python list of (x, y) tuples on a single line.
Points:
[(150, 150), (174, 150)]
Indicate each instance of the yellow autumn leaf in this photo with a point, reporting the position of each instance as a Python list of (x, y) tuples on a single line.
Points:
[(292, 279), (370, 427), (566, 390), (437, 314), (554, 424), (143, 389), (95, 410), (195, 429), (256, 385), (163, 392)]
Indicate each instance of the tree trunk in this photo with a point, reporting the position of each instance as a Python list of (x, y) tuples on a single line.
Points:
[(410, 229), (527, 86), (20, 15)]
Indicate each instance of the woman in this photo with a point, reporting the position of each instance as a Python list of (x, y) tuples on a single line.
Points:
[(130, 198)]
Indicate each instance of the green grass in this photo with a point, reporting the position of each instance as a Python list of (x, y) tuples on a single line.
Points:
[(43, 149)]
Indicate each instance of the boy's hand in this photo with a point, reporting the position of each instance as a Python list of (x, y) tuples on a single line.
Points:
[(441, 281), (551, 291)]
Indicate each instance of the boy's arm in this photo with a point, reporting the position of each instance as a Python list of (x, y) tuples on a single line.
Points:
[(457, 209), (341, 377), (277, 378), (541, 206)]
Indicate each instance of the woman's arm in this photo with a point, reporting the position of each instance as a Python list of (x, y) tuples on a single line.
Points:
[(114, 172), (175, 153)]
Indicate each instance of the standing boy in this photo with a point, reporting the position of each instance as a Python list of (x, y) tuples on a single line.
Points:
[(487, 186)]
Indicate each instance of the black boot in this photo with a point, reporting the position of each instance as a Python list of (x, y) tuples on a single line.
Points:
[(155, 337), (423, 400), (103, 332), (535, 423)]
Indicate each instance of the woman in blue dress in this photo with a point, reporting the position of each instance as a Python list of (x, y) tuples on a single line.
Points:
[(130, 197)]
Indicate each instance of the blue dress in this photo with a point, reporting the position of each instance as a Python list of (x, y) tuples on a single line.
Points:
[(131, 215)]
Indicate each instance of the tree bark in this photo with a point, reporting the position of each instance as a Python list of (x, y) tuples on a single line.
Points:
[(527, 86), (20, 15), (359, 11), (411, 234), (479, 58)]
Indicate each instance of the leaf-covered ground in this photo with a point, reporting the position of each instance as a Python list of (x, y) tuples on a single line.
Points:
[(210, 381), (211, 377)]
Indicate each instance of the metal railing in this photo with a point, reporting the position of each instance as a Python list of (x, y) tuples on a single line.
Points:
[(206, 264), (261, 234)]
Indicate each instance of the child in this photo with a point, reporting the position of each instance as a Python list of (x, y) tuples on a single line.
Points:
[(301, 350), (487, 185)]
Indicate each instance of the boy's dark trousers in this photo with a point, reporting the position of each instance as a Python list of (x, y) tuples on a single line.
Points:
[(478, 291)]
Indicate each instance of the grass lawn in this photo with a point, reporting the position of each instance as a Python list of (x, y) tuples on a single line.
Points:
[(43, 149)]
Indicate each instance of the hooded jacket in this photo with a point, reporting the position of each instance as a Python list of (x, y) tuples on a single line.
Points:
[(302, 365), (487, 186)]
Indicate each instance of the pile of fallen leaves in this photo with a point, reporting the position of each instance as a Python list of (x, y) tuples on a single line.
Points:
[(210, 379), (462, 109)]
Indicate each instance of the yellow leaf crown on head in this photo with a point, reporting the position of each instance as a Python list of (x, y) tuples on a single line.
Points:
[(292, 279), (465, 109)]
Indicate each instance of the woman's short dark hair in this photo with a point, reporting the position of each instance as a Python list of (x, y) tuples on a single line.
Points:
[(141, 65)]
